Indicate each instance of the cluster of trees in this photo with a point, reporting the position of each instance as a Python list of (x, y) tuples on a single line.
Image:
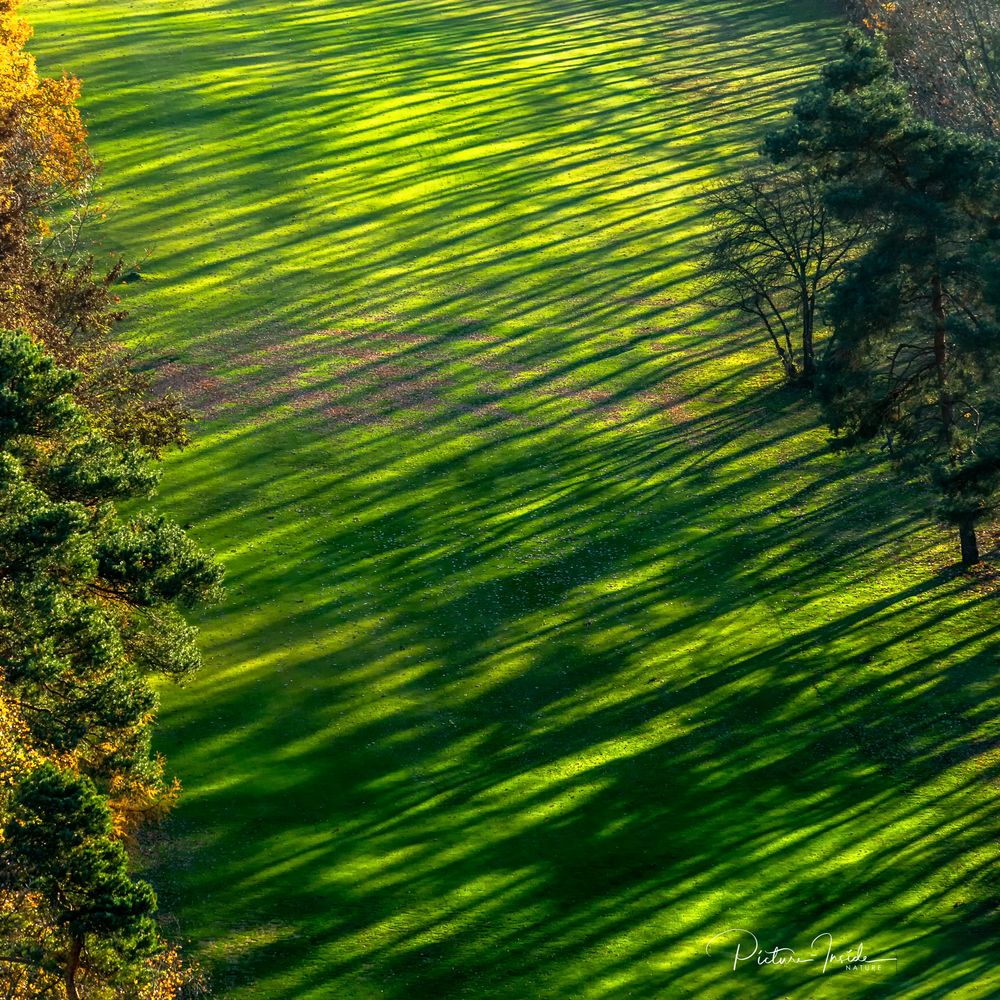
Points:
[(947, 52), (91, 600), (874, 214)]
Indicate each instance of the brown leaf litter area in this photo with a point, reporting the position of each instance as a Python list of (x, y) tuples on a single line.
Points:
[(346, 379)]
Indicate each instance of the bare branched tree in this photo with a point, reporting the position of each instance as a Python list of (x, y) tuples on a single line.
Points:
[(773, 250)]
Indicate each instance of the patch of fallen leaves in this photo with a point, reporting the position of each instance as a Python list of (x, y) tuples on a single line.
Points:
[(377, 377)]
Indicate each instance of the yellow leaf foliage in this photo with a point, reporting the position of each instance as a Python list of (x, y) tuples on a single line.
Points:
[(41, 130)]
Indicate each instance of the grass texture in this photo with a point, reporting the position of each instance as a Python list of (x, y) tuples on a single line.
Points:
[(556, 641)]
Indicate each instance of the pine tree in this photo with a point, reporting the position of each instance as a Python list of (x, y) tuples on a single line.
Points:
[(90, 607), (84, 914), (89, 602)]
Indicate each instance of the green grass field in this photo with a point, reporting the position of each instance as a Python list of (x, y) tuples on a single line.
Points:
[(556, 642)]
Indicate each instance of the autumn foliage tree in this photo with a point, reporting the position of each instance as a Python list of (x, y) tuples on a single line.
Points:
[(947, 52), (50, 284)]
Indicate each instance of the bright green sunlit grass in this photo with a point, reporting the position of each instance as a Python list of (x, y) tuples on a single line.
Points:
[(556, 641)]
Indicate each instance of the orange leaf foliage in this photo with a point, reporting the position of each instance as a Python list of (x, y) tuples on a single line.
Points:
[(42, 134)]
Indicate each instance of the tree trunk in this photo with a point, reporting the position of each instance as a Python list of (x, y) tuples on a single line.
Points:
[(808, 351), (967, 536), (787, 357), (72, 967)]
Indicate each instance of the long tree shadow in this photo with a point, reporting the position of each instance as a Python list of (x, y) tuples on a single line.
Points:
[(641, 698)]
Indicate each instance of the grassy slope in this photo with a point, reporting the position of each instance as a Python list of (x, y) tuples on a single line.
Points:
[(555, 641)]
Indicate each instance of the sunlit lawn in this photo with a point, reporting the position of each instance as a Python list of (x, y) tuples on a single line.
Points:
[(556, 642)]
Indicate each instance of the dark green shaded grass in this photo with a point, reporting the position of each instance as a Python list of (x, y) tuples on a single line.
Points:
[(556, 642)]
